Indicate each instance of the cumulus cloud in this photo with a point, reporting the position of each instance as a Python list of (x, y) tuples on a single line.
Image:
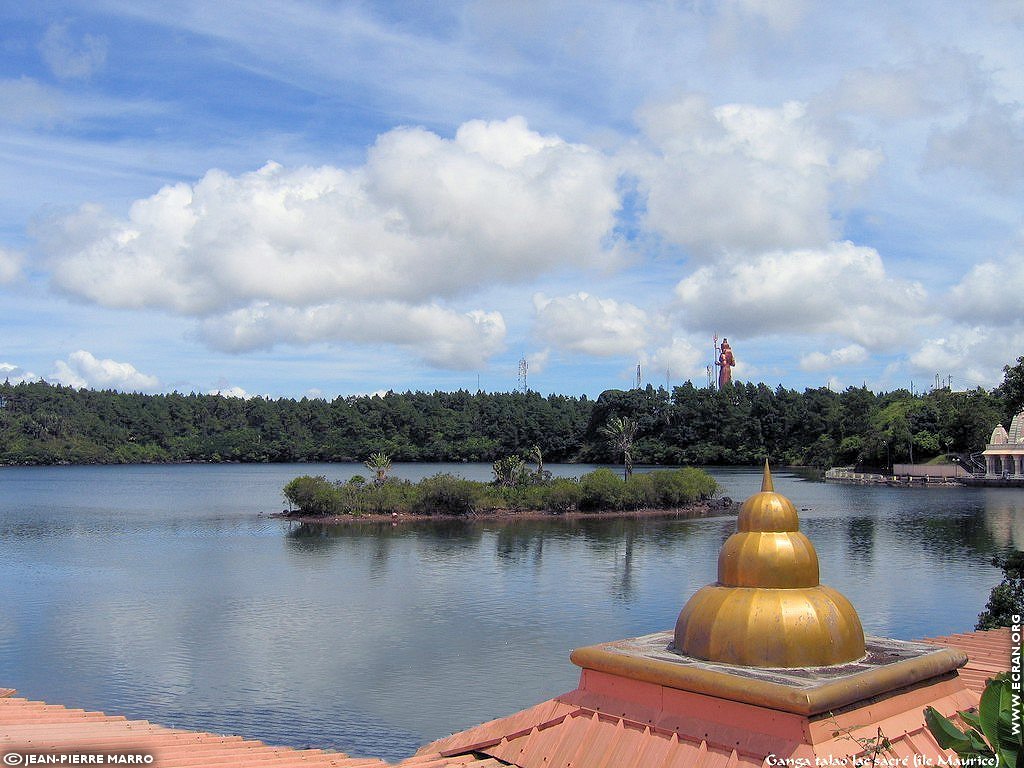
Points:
[(424, 217), (82, 369), (740, 178), (990, 293), (852, 354), (15, 374), (842, 289), (591, 325), (259, 256), (977, 353), (440, 336), (71, 59), (231, 391), (10, 266), (680, 358)]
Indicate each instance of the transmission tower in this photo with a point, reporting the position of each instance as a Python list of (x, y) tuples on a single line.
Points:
[(524, 368)]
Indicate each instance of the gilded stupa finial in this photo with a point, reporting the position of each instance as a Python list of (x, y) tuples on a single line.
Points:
[(768, 607)]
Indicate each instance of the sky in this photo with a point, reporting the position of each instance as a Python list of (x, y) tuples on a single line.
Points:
[(288, 199)]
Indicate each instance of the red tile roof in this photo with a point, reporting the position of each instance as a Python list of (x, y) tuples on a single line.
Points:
[(606, 723), (988, 654), (33, 726)]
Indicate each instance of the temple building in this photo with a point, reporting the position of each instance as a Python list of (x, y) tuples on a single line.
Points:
[(765, 667), (1004, 454)]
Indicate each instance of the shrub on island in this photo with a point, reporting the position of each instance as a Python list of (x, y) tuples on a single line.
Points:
[(599, 491)]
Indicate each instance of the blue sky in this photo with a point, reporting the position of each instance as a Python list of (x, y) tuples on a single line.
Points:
[(330, 198)]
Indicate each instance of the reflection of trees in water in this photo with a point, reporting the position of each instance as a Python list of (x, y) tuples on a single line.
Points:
[(860, 539), (1004, 518), (618, 542), (948, 537), (442, 538)]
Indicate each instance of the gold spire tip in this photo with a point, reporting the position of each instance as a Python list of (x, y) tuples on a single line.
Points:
[(766, 480)]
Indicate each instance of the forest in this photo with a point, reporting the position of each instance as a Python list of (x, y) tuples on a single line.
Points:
[(41, 423)]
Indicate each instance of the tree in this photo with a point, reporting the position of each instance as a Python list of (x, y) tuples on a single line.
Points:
[(538, 457), (1012, 388), (1007, 597), (380, 465), (620, 433)]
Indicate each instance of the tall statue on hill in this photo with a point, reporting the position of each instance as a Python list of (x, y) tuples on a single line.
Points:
[(726, 362)]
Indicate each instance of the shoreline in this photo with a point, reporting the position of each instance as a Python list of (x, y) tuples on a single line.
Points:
[(699, 509)]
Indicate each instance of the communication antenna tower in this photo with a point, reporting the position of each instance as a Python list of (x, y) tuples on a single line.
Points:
[(639, 378), (524, 368)]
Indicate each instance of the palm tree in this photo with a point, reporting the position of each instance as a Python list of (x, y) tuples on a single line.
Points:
[(537, 456), (380, 465), (621, 433)]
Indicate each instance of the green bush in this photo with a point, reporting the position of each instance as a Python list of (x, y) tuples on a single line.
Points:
[(675, 487), (447, 494), (313, 495), (560, 496), (637, 492), (601, 489)]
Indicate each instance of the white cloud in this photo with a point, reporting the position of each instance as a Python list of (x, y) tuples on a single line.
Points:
[(10, 266), (842, 289), (852, 354), (425, 217), (15, 374), (237, 392), (591, 325), (313, 254), (83, 369), (680, 358), (69, 59), (440, 336), (977, 353), (989, 142), (740, 178), (937, 82), (27, 102), (538, 361), (990, 293)]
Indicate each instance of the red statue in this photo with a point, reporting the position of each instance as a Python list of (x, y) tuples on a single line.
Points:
[(725, 364)]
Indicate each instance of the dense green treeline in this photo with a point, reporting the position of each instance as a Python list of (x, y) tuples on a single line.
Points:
[(45, 424)]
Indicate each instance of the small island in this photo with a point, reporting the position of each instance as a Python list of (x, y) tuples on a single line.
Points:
[(516, 491)]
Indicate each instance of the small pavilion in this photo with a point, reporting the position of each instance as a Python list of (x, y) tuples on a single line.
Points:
[(1004, 454)]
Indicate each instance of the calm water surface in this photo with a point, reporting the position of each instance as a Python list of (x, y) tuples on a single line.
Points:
[(160, 593)]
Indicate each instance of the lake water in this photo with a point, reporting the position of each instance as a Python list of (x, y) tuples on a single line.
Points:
[(159, 592)]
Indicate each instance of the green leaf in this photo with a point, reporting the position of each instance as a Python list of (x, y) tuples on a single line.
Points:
[(945, 732), (971, 718), (988, 710)]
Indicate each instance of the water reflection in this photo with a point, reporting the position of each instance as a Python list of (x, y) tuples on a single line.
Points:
[(860, 537), (1004, 517), (171, 600)]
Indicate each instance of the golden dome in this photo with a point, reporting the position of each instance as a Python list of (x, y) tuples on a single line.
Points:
[(768, 608)]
